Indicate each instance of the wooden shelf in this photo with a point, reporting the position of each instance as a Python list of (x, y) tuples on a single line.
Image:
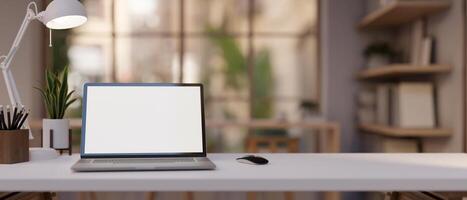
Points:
[(400, 12), (404, 132), (401, 70)]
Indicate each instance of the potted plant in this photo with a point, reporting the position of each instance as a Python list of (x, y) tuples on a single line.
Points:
[(378, 54), (56, 99)]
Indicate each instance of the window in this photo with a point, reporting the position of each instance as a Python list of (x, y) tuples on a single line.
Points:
[(258, 59)]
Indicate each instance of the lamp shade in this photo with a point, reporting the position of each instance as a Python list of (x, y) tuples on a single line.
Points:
[(64, 14)]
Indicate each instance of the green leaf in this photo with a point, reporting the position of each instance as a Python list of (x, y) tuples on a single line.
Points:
[(63, 92), (69, 95), (50, 81), (236, 64), (263, 86), (46, 99), (54, 104), (55, 94), (236, 70), (68, 104)]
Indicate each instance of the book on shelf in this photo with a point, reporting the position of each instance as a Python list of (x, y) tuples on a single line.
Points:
[(367, 97), (426, 51), (413, 105), (416, 42), (405, 105), (383, 97), (366, 115)]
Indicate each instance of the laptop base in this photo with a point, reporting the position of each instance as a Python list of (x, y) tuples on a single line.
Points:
[(143, 164)]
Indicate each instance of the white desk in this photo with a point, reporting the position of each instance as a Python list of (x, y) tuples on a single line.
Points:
[(286, 172)]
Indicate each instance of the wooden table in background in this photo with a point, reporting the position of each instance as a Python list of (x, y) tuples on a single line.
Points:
[(328, 132)]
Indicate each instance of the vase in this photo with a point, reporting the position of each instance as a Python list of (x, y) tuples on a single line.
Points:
[(60, 129)]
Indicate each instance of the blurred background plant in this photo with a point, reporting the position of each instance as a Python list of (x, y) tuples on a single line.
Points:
[(236, 71)]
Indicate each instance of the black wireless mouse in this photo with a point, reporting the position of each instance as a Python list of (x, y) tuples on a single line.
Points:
[(253, 160)]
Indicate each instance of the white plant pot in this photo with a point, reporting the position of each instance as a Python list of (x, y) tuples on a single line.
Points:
[(60, 129)]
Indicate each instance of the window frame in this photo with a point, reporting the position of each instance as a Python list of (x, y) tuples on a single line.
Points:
[(182, 36)]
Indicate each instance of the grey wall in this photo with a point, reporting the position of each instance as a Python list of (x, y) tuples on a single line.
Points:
[(447, 28), (341, 47), (341, 50), (27, 64)]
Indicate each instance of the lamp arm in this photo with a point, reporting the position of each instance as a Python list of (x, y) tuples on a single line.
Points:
[(31, 14), (5, 65)]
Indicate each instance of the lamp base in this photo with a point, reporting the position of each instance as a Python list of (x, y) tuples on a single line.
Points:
[(38, 154)]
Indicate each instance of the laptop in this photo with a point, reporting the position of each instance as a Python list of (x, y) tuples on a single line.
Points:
[(143, 126)]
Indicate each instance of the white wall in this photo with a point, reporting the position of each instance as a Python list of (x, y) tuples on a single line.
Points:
[(27, 65)]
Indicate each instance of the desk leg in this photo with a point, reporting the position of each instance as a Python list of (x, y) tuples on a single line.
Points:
[(251, 195), (151, 196), (91, 195), (394, 196), (190, 196), (332, 195), (48, 195), (331, 138), (319, 140), (289, 196)]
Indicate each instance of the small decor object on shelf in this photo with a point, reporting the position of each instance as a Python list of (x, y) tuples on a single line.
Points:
[(55, 129), (14, 141), (378, 54)]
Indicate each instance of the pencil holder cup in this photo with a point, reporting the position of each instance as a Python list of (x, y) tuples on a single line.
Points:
[(14, 146), (55, 133)]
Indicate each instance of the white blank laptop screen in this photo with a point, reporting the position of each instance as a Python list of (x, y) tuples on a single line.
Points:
[(143, 120)]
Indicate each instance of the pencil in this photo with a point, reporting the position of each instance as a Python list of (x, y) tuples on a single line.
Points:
[(18, 118), (24, 119), (2, 120), (8, 116), (15, 113)]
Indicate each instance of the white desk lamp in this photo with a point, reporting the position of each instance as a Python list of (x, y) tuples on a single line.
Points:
[(59, 14)]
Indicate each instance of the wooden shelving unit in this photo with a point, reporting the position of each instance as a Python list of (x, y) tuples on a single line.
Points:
[(402, 70), (400, 12), (404, 132), (392, 15)]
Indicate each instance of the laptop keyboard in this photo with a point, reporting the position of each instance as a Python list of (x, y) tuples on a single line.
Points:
[(143, 160)]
